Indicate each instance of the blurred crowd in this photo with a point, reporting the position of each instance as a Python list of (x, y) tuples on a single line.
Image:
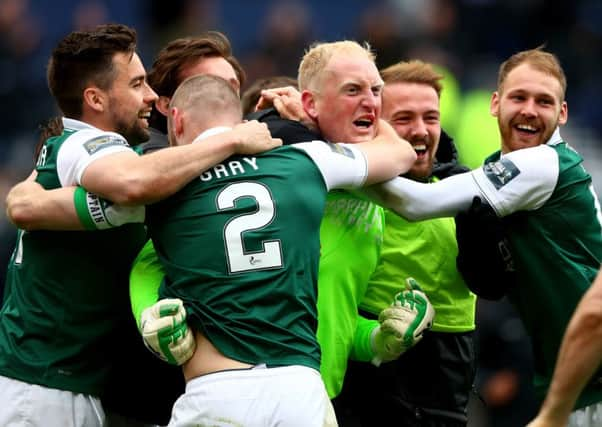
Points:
[(467, 38)]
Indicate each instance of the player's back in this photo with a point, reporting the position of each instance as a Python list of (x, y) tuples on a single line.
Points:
[(240, 246)]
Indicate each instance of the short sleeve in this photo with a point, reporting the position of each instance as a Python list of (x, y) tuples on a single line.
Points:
[(84, 147), (341, 165), (521, 180)]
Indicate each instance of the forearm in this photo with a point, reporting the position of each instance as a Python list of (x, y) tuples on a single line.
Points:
[(135, 180), (30, 207), (417, 201), (362, 347), (387, 155), (145, 280)]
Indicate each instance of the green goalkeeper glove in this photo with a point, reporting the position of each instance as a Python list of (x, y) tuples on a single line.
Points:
[(165, 331), (402, 324)]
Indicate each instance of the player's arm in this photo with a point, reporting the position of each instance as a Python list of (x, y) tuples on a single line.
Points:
[(354, 165), (128, 179), (162, 322), (579, 357), (399, 327), (104, 162), (30, 207), (521, 180), (387, 155), (145, 279)]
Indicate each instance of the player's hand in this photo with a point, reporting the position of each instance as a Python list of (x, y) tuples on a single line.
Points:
[(287, 101), (402, 324), (253, 137), (165, 331)]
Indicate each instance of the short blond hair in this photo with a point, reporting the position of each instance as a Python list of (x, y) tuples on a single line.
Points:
[(540, 60), (318, 55), (414, 71)]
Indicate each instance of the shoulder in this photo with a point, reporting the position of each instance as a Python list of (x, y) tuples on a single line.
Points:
[(93, 140), (289, 131)]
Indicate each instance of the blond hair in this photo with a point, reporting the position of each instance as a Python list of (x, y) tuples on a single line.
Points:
[(538, 59), (318, 56)]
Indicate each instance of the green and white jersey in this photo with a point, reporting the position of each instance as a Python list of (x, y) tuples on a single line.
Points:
[(553, 222), (425, 250), (240, 246), (66, 292), (351, 236)]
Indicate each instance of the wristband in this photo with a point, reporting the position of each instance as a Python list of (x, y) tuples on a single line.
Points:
[(96, 213)]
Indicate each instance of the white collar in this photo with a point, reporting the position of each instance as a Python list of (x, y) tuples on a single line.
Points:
[(76, 124), (210, 132), (555, 138)]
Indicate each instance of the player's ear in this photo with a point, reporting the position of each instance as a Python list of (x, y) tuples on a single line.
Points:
[(495, 104), (564, 113), (308, 100), (94, 99), (175, 126), (162, 105)]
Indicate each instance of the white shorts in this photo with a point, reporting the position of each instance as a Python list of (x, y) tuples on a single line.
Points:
[(590, 416), (32, 405), (291, 396)]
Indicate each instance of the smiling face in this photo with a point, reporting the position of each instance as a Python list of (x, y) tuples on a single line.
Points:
[(528, 107), (413, 111), (346, 101), (130, 99)]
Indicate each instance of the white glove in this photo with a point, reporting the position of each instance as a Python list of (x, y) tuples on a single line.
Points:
[(165, 331), (402, 324)]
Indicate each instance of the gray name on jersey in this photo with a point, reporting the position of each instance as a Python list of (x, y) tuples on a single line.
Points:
[(231, 168)]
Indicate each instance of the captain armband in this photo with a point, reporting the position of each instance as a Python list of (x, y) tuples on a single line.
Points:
[(96, 213)]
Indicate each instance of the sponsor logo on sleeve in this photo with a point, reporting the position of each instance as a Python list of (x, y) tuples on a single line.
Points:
[(104, 141), (341, 149), (501, 172)]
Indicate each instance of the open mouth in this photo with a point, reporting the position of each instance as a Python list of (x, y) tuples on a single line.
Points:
[(144, 115), (529, 129), (364, 122), (420, 149)]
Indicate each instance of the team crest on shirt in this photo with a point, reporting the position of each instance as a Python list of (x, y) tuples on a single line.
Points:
[(95, 144), (501, 172), (341, 149)]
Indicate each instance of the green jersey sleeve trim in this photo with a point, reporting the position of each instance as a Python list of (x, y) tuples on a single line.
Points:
[(81, 207), (362, 341), (145, 280)]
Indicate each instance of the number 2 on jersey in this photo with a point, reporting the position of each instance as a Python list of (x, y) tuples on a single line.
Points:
[(240, 260)]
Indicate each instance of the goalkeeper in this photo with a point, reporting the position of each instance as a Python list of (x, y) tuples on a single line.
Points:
[(430, 384)]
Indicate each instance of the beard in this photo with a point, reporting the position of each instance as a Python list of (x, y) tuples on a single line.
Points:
[(132, 131)]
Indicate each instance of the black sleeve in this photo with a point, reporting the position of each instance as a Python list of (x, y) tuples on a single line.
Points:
[(290, 131), (157, 141), (484, 255), (446, 158)]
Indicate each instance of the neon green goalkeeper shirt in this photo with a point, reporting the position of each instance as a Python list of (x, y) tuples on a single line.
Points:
[(351, 235), (426, 251)]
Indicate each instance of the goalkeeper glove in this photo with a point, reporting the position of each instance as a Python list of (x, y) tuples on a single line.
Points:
[(402, 323), (165, 331)]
